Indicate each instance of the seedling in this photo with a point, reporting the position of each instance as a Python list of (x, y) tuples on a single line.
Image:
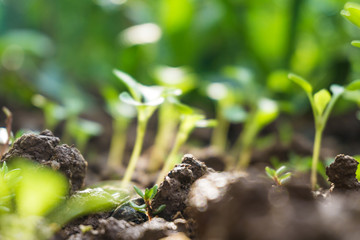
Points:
[(146, 100), (8, 181), (265, 113), (147, 196), (227, 111), (169, 117), (188, 122), (322, 104), (278, 176), (122, 114)]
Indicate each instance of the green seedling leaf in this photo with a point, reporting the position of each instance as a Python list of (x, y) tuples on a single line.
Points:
[(139, 192), (4, 209), (351, 12), (159, 209), (40, 190), (138, 208), (270, 172), (154, 191), (336, 89), (127, 98), (267, 112), (148, 193), (180, 107), (130, 83), (321, 100), (280, 170), (285, 177), (301, 82), (354, 85), (356, 43)]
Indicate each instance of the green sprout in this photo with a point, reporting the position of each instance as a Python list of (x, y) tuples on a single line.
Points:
[(265, 112), (351, 12), (122, 114), (147, 196), (189, 121), (146, 100), (322, 103), (8, 181), (278, 176), (169, 117), (227, 111)]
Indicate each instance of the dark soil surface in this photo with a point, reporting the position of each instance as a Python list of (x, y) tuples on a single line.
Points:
[(45, 149), (202, 203)]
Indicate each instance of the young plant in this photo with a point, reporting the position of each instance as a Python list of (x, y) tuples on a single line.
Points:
[(278, 176), (189, 120), (147, 196), (322, 104), (227, 111), (265, 113), (181, 80), (8, 181), (122, 114), (146, 100)]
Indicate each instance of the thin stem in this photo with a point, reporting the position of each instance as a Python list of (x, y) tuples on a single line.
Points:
[(219, 136), (118, 143), (140, 133), (8, 123), (172, 158), (168, 120), (315, 157)]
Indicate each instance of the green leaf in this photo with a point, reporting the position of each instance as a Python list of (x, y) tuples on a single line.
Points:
[(204, 123), (280, 170), (351, 12), (159, 209), (270, 172), (356, 43), (321, 100), (148, 193), (138, 191), (354, 85), (301, 82), (336, 89), (130, 82), (285, 177), (154, 191)]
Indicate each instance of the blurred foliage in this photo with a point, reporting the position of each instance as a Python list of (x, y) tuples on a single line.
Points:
[(67, 49)]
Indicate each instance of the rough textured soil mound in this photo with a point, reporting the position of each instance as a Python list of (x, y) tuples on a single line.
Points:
[(45, 149)]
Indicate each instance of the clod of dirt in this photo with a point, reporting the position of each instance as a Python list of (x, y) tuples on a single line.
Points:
[(173, 191), (45, 149), (230, 206), (342, 174), (113, 229)]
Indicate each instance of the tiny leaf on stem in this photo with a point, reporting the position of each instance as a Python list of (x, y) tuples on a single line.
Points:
[(321, 100), (301, 82), (138, 191)]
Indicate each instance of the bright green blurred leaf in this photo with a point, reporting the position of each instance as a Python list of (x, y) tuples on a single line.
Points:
[(301, 82), (321, 100), (354, 85), (40, 190), (356, 43), (351, 11)]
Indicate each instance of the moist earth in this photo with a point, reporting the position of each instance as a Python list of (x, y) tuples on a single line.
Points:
[(46, 149)]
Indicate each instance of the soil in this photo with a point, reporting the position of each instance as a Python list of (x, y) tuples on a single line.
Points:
[(202, 203), (45, 149)]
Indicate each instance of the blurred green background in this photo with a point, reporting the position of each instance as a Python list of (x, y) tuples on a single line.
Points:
[(66, 50)]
